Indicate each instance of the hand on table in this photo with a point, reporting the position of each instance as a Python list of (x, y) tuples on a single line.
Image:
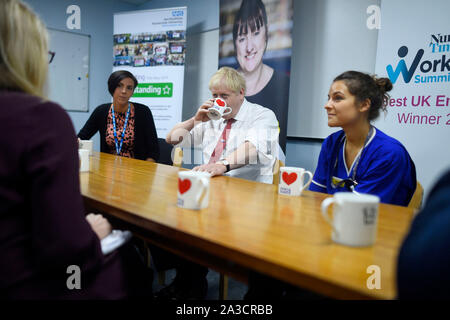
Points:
[(99, 224), (215, 169)]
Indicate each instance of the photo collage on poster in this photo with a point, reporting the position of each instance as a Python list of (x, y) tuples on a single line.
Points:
[(150, 49)]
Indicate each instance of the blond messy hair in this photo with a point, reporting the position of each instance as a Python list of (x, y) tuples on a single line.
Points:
[(229, 77), (23, 49)]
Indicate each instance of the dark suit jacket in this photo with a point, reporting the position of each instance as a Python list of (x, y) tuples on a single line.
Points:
[(43, 230), (146, 140)]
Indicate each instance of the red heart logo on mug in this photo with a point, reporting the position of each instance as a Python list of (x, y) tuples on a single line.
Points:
[(220, 102), (289, 178), (184, 185)]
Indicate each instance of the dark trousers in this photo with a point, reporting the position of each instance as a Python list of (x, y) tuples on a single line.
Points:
[(139, 276), (263, 287), (187, 272)]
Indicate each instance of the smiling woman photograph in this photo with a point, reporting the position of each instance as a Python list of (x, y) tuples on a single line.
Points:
[(361, 158), (126, 128), (261, 54)]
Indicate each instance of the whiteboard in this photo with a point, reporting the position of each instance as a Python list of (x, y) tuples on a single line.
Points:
[(69, 70)]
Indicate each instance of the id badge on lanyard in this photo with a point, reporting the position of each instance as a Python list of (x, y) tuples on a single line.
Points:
[(349, 183), (116, 140)]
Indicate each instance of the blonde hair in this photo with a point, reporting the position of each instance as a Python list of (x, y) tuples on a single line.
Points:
[(23, 49), (229, 77)]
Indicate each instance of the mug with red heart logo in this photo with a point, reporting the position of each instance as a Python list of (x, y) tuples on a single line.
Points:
[(292, 181), (219, 109), (83, 155), (193, 189)]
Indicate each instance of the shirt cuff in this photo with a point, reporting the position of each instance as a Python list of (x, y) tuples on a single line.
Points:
[(114, 240)]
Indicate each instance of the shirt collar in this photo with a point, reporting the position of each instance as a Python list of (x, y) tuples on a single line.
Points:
[(241, 115)]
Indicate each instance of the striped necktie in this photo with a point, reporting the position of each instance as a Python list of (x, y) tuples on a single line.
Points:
[(218, 150)]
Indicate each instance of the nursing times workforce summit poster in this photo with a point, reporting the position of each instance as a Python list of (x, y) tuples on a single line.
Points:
[(414, 52)]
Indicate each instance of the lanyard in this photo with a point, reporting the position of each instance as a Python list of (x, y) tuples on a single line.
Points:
[(119, 147), (351, 183)]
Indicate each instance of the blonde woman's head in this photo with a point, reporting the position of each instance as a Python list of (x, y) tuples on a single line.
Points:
[(228, 77), (23, 49)]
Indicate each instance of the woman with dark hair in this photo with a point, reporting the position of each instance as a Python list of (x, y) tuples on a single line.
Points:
[(360, 158), (126, 128), (265, 86)]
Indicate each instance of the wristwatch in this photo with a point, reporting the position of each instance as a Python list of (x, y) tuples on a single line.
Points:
[(225, 163)]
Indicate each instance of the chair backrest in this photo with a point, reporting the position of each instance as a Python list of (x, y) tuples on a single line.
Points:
[(417, 198), (276, 171), (178, 157), (165, 154)]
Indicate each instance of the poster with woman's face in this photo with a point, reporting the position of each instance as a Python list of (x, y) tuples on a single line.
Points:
[(256, 39)]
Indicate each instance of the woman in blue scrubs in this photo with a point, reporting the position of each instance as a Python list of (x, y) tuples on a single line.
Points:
[(361, 158)]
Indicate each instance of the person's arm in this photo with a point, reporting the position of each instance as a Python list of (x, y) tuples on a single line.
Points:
[(151, 138), (99, 225), (263, 136), (181, 131), (245, 154), (319, 181), (260, 144), (91, 126), (386, 174), (61, 236)]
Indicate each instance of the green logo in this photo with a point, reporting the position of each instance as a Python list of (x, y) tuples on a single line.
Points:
[(154, 90)]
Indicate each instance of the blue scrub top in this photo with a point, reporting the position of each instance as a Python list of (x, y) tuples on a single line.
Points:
[(385, 168)]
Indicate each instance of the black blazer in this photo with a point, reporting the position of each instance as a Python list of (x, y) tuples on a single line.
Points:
[(146, 140)]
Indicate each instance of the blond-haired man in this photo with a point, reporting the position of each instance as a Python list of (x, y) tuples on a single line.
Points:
[(247, 151), (251, 142)]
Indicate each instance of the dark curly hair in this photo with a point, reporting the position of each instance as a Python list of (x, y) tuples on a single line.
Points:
[(364, 86)]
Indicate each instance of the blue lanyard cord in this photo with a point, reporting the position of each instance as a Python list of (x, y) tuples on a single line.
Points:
[(350, 183), (119, 147)]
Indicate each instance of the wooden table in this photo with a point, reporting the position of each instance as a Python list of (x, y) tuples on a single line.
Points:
[(247, 226)]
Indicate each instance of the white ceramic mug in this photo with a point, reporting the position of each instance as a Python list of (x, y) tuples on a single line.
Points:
[(193, 189), (219, 109), (84, 159), (86, 144), (292, 181), (355, 218)]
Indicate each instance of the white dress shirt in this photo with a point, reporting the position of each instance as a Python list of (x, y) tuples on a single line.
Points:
[(253, 123)]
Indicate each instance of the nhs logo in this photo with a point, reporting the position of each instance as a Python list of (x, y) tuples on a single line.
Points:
[(177, 13)]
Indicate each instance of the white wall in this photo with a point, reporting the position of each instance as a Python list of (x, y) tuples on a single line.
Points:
[(330, 37), (97, 21)]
